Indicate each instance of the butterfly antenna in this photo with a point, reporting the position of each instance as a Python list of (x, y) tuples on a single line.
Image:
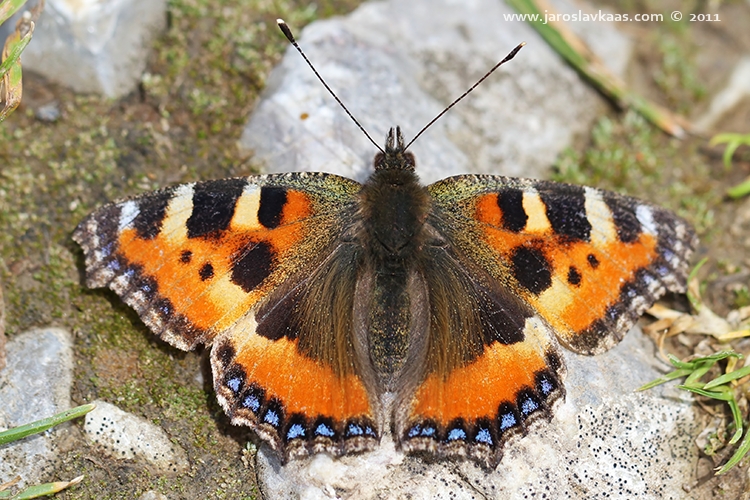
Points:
[(510, 56), (289, 36)]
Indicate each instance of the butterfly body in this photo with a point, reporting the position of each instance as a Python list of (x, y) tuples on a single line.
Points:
[(341, 312)]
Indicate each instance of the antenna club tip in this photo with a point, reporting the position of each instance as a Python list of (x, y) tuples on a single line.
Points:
[(522, 44), (285, 29)]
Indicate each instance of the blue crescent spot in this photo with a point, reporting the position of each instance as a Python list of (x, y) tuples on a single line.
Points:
[(529, 406), (252, 402), (507, 421), (271, 417), (546, 387), (484, 436), (234, 384), (354, 430), (295, 431), (324, 430), (456, 435)]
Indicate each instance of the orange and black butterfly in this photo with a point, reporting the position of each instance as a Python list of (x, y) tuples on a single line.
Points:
[(339, 312)]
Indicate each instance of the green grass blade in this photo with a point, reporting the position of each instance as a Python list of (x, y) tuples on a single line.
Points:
[(684, 372), (41, 490), (8, 8), (14, 53), (740, 190), (742, 450), (719, 395), (42, 425), (728, 377)]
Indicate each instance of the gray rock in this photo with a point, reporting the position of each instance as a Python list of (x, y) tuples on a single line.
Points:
[(35, 384), (604, 440), (125, 436), (736, 89), (98, 46), (400, 63)]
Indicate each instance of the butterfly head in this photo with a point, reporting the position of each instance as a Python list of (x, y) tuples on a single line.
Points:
[(395, 156)]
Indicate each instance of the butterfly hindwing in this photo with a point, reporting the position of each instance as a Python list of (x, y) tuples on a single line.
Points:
[(491, 368)]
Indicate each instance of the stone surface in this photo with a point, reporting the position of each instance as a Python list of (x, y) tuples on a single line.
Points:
[(737, 88), (401, 63), (95, 45), (604, 441), (35, 384), (128, 437)]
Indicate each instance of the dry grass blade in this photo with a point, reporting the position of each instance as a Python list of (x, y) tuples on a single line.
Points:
[(11, 88), (574, 50)]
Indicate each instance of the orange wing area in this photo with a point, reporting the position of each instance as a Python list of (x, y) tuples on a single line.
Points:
[(588, 261), (298, 405), (601, 269), (474, 409), (194, 259)]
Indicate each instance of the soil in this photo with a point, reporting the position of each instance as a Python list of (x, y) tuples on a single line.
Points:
[(182, 124)]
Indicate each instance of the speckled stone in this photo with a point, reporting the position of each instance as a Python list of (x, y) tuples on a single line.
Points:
[(127, 437)]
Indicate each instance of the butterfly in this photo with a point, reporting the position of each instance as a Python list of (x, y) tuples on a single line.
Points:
[(339, 313)]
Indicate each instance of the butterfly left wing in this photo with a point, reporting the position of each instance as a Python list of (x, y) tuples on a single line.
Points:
[(242, 263), (535, 260)]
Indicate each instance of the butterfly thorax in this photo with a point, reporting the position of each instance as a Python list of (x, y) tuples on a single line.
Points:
[(394, 207)]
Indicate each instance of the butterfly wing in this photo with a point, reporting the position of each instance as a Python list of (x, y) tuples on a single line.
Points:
[(232, 262), (590, 262), (530, 260)]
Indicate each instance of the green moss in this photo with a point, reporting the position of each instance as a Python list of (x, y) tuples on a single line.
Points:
[(628, 155)]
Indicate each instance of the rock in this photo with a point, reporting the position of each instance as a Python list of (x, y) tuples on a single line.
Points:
[(128, 437), (97, 46), (35, 384), (401, 63), (152, 495), (736, 89), (604, 440)]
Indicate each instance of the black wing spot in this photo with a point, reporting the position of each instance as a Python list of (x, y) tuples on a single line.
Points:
[(226, 353), (272, 201), (627, 224), (514, 216), (151, 212), (213, 206), (593, 261), (566, 211), (574, 277), (206, 272), (186, 256), (254, 266), (531, 269)]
